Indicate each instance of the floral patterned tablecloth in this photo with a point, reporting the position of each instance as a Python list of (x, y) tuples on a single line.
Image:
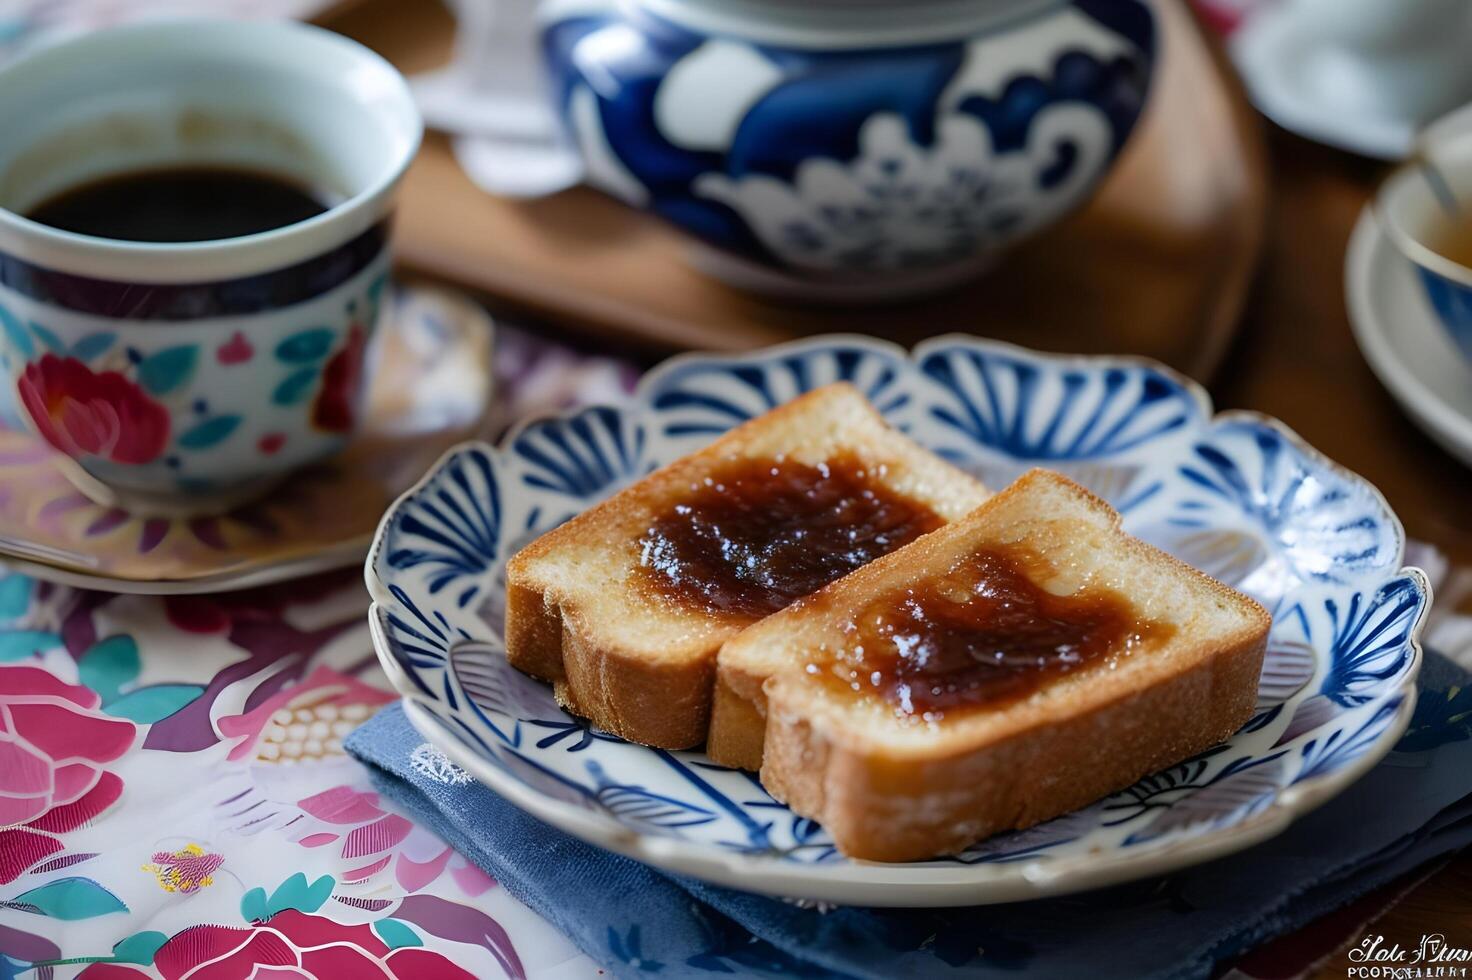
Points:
[(174, 794), (172, 776)]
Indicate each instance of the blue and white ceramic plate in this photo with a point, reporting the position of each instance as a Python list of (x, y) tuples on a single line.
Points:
[(1238, 495)]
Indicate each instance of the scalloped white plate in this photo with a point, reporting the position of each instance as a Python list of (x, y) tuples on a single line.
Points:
[(1238, 495)]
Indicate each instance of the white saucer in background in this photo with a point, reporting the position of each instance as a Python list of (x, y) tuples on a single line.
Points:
[(1405, 345), (1301, 83)]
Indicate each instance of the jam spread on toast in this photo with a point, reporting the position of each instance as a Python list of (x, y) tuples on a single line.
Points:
[(756, 534), (982, 635)]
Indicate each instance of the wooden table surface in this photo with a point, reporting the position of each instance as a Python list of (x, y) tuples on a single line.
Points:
[(1295, 358)]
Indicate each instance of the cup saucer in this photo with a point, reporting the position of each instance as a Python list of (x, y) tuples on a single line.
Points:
[(432, 390), (1407, 349), (1294, 82)]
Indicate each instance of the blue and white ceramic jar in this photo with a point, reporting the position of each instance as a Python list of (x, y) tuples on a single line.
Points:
[(849, 146)]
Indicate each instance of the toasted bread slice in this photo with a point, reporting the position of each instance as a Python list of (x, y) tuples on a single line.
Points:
[(1008, 668), (624, 607)]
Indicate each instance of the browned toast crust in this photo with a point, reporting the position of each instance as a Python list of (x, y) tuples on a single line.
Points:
[(908, 810), (654, 704), (651, 703), (884, 804), (660, 697)]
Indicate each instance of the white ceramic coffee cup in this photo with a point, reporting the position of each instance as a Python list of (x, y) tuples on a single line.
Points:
[(187, 377)]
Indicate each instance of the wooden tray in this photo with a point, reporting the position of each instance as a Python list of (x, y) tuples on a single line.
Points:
[(1158, 264)]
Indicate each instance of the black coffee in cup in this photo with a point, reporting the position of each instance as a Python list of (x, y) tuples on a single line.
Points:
[(180, 204)]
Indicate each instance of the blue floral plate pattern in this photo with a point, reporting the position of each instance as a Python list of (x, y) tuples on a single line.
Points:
[(1237, 495)]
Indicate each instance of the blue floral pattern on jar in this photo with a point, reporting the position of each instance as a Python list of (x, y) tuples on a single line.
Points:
[(850, 161)]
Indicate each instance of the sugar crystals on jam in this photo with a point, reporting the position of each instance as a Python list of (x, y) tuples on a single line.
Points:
[(984, 634)]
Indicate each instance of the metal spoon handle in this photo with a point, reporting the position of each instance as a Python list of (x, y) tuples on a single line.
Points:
[(1437, 181)]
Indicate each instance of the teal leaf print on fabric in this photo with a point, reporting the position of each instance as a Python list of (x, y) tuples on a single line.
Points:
[(16, 333), (168, 369), (396, 934), (94, 345), (109, 666), (68, 899), (50, 340), (305, 347), (15, 596), (21, 644), (253, 906), (293, 893), (210, 432), (296, 387), (139, 948), (148, 705)]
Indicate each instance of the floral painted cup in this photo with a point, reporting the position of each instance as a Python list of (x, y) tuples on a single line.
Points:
[(186, 378)]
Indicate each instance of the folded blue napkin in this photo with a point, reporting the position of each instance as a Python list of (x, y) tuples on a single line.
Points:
[(1411, 808)]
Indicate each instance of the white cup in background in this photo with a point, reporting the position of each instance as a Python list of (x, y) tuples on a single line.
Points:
[(1380, 58)]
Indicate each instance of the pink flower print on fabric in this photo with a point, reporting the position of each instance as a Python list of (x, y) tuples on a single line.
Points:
[(291, 944), (381, 839), (54, 744)]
